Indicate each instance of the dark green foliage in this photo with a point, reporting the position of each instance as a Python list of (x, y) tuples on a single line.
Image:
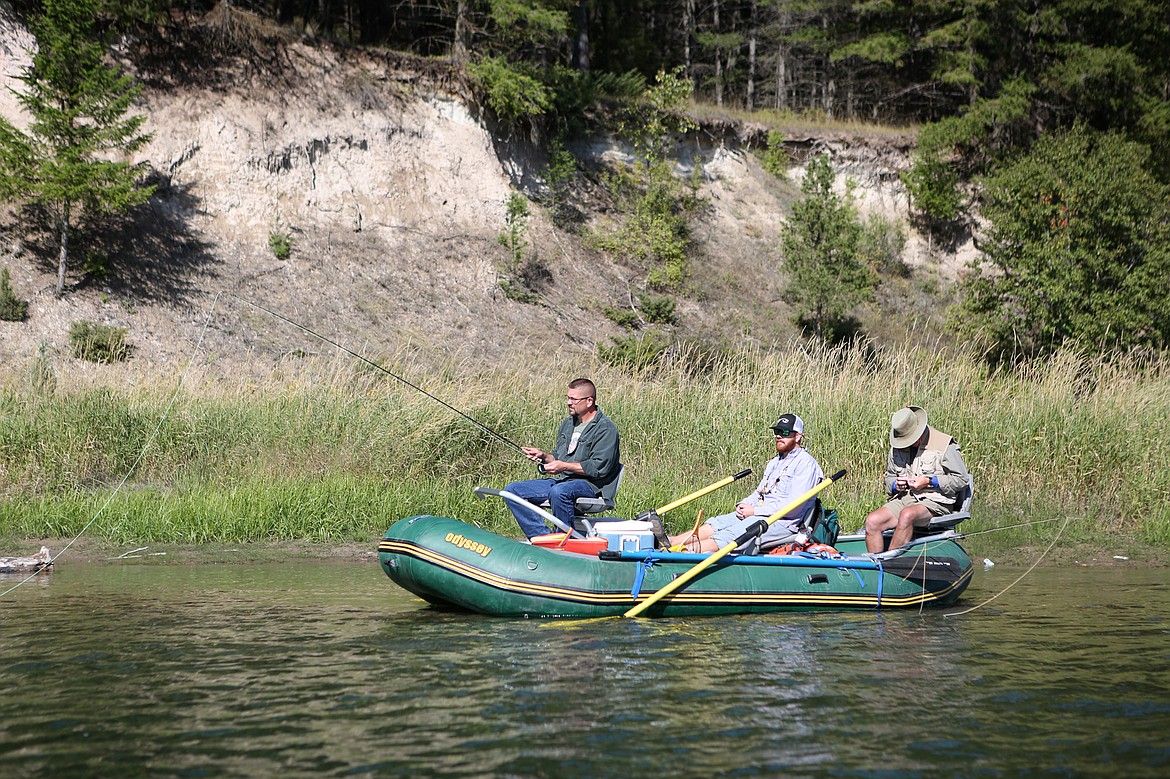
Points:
[(516, 215), (12, 308), (951, 150), (71, 160), (655, 310), (582, 88), (98, 343), (280, 242), (655, 124), (656, 231), (559, 177), (820, 246), (659, 309), (901, 62), (880, 246), (523, 272), (513, 91), (775, 157), (635, 352), (96, 263), (933, 186), (1079, 250), (623, 317), (515, 289), (658, 206)]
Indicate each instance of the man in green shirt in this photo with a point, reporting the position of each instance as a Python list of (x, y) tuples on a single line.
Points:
[(585, 458)]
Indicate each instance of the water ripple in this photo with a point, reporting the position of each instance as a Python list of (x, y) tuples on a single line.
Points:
[(329, 670)]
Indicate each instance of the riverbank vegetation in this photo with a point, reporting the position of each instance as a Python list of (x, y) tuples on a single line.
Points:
[(331, 451)]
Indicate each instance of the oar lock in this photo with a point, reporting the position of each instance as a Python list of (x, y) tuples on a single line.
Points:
[(656, 527)]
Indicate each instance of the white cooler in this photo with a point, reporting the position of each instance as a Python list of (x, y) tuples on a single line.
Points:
[(629, 535)]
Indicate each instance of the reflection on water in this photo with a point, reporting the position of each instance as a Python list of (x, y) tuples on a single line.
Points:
[(328, 669)]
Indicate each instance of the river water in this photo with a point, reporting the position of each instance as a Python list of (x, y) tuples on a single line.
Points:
[(304, 668)]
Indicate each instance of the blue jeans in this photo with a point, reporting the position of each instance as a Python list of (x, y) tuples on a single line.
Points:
[(561, 495)]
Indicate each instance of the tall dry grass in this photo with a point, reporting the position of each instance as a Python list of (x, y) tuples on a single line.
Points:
[(330, 449)]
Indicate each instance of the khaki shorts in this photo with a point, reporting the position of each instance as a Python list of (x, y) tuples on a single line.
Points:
[(728, 527), (897, 504)]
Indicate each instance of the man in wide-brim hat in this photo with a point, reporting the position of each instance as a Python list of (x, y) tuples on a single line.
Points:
[(925, 474)]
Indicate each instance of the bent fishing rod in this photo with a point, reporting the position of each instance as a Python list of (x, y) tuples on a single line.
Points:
[(375, 365)]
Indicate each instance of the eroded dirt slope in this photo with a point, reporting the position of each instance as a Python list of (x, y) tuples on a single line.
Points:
[(392, 187)]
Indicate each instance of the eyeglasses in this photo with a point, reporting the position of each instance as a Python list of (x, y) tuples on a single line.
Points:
[(573, 400), (783, 433)]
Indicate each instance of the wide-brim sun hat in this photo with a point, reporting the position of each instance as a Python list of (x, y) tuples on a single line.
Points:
[(906, 426)]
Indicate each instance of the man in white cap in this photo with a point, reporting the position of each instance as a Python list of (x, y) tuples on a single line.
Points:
[(790, 474), (924, 475)]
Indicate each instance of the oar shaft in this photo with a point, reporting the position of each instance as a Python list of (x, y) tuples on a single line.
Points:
[(727, 549), (700, 493)]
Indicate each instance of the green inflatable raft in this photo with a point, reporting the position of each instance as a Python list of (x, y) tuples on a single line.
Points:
[(454, 564)]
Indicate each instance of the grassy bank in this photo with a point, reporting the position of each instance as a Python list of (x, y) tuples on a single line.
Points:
[(334, 452)]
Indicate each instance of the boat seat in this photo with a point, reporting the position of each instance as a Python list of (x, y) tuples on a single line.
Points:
[(815, 519), (584, 507), (950, 521)]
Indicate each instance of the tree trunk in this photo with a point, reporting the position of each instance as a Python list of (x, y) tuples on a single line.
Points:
[(63, 255), (325, 17), (718, 60), (459, 46), (751, 74), (581, 41), (782, 66)]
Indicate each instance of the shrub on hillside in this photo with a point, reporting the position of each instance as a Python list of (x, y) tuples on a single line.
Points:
[(623, 317), (1076, 250), (98, 343), (659, 309), (774, 157), (635, 352), (12, 308), (881, 244), (280, 242)]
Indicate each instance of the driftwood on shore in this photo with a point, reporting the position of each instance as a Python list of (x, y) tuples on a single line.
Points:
[(42, 560)]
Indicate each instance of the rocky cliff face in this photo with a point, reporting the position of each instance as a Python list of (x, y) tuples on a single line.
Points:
[(392, 187)]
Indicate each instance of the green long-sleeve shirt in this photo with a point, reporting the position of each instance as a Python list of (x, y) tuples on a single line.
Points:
[(598, 449)]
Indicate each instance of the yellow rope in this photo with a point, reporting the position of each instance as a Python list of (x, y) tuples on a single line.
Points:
[(1017, 581)]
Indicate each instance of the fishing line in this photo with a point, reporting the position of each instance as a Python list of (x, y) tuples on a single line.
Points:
[(375, 365), (142, 454), (1009, 527), (1025, 573)]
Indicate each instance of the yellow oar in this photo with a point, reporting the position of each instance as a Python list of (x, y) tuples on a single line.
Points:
[(651, 516), (755, 529), (700, 493)]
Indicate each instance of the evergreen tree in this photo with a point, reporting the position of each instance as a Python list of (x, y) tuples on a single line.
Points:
[(1078, 251), (68, 161), (821, 248)]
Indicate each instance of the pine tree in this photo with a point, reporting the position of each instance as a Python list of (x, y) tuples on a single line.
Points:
[(71, 162), (821, 246)]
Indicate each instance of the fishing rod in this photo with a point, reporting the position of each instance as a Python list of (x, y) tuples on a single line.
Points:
[(375, 365)]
